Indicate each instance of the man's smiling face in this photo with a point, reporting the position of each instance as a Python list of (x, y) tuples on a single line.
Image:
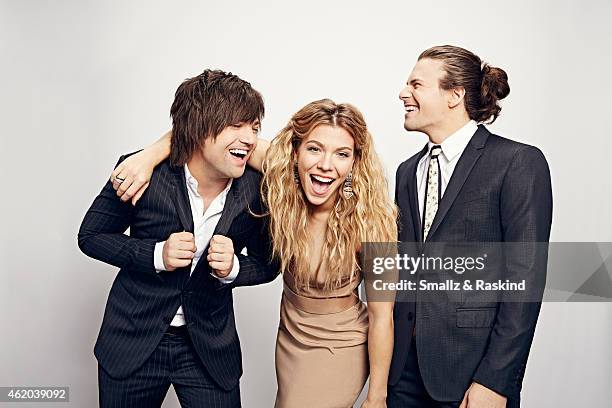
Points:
[(426, 104), (227, 154)]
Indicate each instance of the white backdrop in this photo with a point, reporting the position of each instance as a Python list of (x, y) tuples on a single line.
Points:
[(83, 82)]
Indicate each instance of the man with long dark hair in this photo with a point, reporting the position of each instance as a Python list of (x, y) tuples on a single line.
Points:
[(169, 318)]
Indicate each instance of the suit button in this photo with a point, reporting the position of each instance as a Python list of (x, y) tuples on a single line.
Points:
[(410, 315)]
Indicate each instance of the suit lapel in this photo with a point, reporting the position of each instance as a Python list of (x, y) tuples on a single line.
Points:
[(413, 195), (466, 163), (180, 198), (231, 208)]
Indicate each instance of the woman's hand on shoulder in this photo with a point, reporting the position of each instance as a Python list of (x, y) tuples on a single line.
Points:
[(132, 176)]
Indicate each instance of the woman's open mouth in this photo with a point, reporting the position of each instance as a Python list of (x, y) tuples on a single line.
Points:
[(320, 184)]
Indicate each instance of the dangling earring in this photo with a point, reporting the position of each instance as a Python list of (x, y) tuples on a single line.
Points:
[(296, 174), (347, 190)]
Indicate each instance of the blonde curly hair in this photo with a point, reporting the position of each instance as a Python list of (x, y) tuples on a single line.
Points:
[(369, 216)]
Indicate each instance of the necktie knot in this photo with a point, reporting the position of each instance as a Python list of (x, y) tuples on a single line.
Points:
[(435, 151)]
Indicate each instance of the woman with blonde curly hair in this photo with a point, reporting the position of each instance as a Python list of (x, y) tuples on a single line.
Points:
[(326, 194)]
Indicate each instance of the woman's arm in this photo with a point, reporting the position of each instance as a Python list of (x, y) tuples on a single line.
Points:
[(380, 332), (257, 157), (380, 351), (136, 170)]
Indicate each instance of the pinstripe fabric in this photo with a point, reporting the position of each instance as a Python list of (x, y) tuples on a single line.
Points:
[(173, 362), (500, 191), (142, 302)]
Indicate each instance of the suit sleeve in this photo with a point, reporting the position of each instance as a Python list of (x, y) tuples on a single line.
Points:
[(526, 216), (102, 233), (257, 267)]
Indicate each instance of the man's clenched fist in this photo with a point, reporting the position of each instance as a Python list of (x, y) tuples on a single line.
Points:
[(179, 250), (221, 255)]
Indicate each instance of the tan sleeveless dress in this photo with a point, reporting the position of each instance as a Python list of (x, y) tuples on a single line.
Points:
[(321, 348)]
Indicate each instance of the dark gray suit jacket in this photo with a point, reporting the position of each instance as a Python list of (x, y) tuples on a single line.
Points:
[(500, 191), (142, 302)]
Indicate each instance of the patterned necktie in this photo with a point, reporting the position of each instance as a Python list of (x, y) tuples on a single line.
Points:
[(432, 194)]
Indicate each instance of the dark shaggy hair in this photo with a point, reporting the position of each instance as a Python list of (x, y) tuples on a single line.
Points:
[(205, 105)]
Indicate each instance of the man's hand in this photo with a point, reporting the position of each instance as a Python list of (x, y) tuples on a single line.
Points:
[(179, 250), (221, 255), (479, 396)]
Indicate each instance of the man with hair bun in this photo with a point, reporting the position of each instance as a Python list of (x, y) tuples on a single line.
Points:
[(466, 185)]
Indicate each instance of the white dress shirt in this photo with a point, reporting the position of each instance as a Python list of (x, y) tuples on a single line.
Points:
[(204, 223), (452, 148)]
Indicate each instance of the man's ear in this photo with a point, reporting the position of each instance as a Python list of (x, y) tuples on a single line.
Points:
[(455, 97)]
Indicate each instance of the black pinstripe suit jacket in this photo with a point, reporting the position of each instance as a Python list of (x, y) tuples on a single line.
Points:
[(142, 302), (500, 191)]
